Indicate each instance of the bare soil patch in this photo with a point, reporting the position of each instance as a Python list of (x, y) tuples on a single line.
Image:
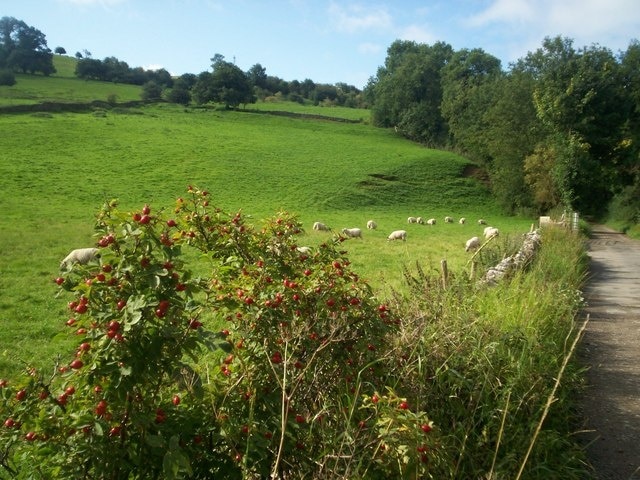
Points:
[(610, 349)]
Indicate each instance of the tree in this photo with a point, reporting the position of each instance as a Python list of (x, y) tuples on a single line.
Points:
[(579, 96), (24, 48), (151, 91), (465, 98), (7, 77), (227, 84), (258, 76), (513, 131), (60, 51), (179, 94), (408, 91)]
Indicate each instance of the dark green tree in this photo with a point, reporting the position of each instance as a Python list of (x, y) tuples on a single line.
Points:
[(24, 48), (579, 97), (227, 84), (151, 91), (512, 133), (466, 98), (407, 91), (258, 76)]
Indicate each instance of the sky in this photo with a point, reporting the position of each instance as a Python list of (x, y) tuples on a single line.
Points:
[(327, 41)]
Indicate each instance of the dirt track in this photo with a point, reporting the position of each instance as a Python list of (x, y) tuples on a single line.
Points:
[(611, 349)]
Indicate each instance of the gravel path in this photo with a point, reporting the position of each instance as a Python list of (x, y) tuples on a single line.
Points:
[(611, 349)]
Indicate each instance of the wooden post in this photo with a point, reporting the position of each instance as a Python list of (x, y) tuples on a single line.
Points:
[(445, 273)]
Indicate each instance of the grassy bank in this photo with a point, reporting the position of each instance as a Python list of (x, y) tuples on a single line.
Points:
[(486, 361)]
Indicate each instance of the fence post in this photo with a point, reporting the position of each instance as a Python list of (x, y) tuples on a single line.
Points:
[(574, 221)]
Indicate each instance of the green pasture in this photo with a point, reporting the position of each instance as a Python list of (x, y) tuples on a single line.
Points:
[(57, 170)]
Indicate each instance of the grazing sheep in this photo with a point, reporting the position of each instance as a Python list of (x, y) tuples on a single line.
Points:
[(371, 225), (398, 235), (412, 220), (81, 256), (431, 221), (491, 232), (472, 244), (462, 221), (352, 232), (304, 250), (420, 220), (482, 221), (318, 226), (448, 220)]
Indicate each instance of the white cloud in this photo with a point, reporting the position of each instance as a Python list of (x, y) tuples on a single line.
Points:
[(594, 17), (153, 67), (417, 34), (354, 18), (505, 11), (370, 48)]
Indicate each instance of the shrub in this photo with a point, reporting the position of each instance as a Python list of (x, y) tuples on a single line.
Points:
[(276, 363), (7, 77)]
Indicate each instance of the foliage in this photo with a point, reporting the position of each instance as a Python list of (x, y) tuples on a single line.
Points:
[(408, 91), (7, 78), (308, 354), (24, 48), (227, 84), (151, 92), (580, 104), (117, 71)]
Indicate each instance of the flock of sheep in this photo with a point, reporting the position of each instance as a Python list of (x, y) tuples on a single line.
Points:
[(85, 255), (472, 244)]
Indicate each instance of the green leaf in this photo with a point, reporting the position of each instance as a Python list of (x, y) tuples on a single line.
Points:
[(155, 441)]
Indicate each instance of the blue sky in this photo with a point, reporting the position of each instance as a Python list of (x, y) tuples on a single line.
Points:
[(327, 41)]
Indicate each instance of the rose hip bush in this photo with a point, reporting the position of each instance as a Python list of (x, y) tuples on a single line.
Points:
[(271, 364)]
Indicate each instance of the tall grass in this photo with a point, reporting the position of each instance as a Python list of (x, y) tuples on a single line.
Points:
[(485, 362)]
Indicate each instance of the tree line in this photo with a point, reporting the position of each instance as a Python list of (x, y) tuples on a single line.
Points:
[(561, 127)]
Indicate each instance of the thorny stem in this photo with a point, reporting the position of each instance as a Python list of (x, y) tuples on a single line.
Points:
[(283, 415)]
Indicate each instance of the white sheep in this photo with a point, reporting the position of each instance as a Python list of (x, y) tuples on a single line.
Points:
[(81, 256), (352, 232), (448, 220), (318, 226), (420, 220), (371, 225), (304, 250), (482, 221), (412, 220), (431, 221), (491, 232), (472, 244), (462, 221), (398, 235)]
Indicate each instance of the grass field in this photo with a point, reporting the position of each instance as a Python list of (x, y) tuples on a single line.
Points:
[(58, 169), (489, 355)]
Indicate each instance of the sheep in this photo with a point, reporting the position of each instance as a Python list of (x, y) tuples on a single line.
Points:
[(81, 256), (462, 221), (412, 220), (431, 221), (491, 232), (371, 225), (352, 232), (304, 250), (472, 244), (448, 220), (398, 235), (482, 221), (318, 226), (420, 220)]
